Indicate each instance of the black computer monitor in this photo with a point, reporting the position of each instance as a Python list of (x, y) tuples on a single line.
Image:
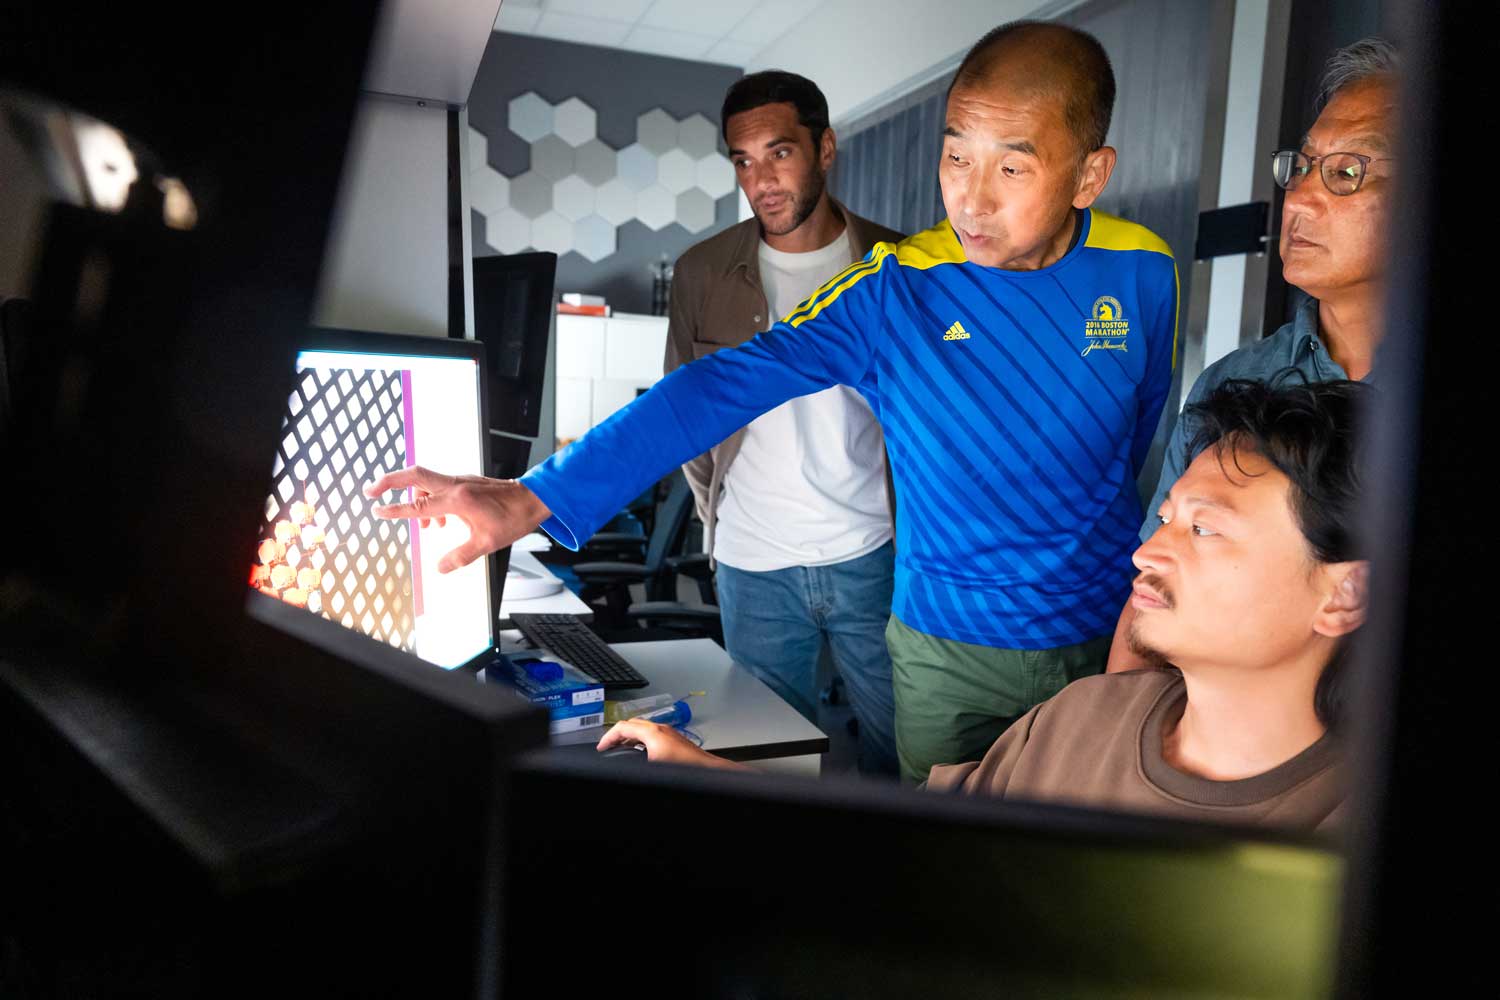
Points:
[(513, 317), (773, 886), (361, 405)]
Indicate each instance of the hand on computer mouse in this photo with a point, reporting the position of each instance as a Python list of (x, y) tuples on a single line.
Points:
[(497, 511), (664, 745)]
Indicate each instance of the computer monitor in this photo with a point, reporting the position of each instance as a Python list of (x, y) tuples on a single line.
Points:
[(513, 317), (363, 404)]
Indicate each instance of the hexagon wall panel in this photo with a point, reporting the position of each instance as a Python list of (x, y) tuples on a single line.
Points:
[(695, 210), (530, 117), (579, 190), (531, 194), (594, 162), (573, 198), (574, 122), (657, 131), (656, 207), (636, 166), (551, 157), (716, 175), (615, 202), (507, 230), (552, 232), (676, 171), (479, 150), (594, 238), (489, 190), (697, 136)]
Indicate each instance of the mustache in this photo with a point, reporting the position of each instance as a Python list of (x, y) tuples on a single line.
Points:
[(1155, 583)]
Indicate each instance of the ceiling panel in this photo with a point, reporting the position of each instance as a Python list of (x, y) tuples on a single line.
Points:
[(732, 32)]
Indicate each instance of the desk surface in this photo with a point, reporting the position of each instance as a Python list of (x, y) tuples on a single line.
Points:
[(564, 602), (737, 715)]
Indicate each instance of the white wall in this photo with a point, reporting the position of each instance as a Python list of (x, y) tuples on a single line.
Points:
[(861, 52), (387, 263)]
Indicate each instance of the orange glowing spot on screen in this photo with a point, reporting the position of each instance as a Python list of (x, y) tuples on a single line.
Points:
[(267, 551), (295, 597), (282, 576), (259, 574), (269, 591)]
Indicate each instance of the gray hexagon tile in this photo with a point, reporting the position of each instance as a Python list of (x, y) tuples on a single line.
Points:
[(593, 238), (530, 116), (615, 201), (531, 194), (695, 210), (636, 166), (594, 162), (574, 122), (479, 150), (551, 157), (656, 207), (489, 190), (697, 136), (676, 171), (507, 230), (656, 130), (573, 198), (552, 232), (716, 175)]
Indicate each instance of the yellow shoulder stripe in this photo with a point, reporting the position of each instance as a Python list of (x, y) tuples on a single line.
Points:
[(1109, 232), (928, 248)]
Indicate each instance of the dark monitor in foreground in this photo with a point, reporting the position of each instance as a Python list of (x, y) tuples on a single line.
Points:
[(513, 317), (363, 404)]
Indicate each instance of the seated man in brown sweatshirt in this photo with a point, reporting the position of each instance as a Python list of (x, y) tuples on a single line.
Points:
[(1249, 591)]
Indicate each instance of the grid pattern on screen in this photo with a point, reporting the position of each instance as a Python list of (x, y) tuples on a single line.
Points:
[(320, 546)]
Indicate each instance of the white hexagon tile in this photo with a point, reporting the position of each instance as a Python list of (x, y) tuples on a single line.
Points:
[(530, 117), (574, 122)]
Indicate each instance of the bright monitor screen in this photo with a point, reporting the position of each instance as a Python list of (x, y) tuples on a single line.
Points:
[(352, 416)]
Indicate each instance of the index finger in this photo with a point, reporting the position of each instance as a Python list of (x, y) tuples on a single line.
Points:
[(619, 734), (412, 475)]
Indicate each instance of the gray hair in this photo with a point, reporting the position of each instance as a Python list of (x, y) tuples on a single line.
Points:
[(1354, 63)]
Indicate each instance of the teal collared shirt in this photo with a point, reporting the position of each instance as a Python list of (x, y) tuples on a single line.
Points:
[(1296, 345)]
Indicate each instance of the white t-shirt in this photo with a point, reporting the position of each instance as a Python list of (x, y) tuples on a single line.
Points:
[(808, 485)]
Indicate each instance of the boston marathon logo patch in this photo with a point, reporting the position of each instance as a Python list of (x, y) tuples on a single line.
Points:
[(1109, 328)]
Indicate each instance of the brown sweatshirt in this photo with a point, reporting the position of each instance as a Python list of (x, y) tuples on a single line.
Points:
[(1098, 743)]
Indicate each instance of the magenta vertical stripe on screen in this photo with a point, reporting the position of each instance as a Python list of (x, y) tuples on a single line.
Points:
[(411, 459)]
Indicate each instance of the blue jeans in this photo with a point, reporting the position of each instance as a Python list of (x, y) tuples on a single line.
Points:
[(776, 625)]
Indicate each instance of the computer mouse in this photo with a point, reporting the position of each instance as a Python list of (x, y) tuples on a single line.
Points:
[(635, 751)]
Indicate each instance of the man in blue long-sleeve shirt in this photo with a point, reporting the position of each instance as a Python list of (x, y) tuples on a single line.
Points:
[(1017, 355)]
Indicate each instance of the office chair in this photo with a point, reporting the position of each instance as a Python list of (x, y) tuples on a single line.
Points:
[(609, 581)]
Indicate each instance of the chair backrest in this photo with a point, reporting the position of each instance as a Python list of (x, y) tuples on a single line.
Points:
[(671, 522)]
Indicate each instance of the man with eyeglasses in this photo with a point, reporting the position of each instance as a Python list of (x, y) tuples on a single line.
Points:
[(1334, 236)]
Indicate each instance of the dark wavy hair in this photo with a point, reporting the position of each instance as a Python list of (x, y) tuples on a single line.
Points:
[(777, 86), (1307, 431)]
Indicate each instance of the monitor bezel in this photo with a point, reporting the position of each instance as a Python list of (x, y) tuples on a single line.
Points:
[(331, 339)]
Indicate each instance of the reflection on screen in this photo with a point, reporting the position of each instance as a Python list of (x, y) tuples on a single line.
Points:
[(350, 418)]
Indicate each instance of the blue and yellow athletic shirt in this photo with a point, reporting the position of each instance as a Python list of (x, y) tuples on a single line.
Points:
[(1017, 406)]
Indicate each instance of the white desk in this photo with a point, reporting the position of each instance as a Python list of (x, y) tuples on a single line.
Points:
[(564, 602), (737, 716)]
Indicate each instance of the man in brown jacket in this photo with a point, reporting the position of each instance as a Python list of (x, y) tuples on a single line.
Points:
[(1250, 589), (797, 505)]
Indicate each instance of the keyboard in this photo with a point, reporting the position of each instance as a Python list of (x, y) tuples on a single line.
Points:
[(568, 638)]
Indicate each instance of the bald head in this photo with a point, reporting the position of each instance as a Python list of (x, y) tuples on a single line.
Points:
[(1043, 58)]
